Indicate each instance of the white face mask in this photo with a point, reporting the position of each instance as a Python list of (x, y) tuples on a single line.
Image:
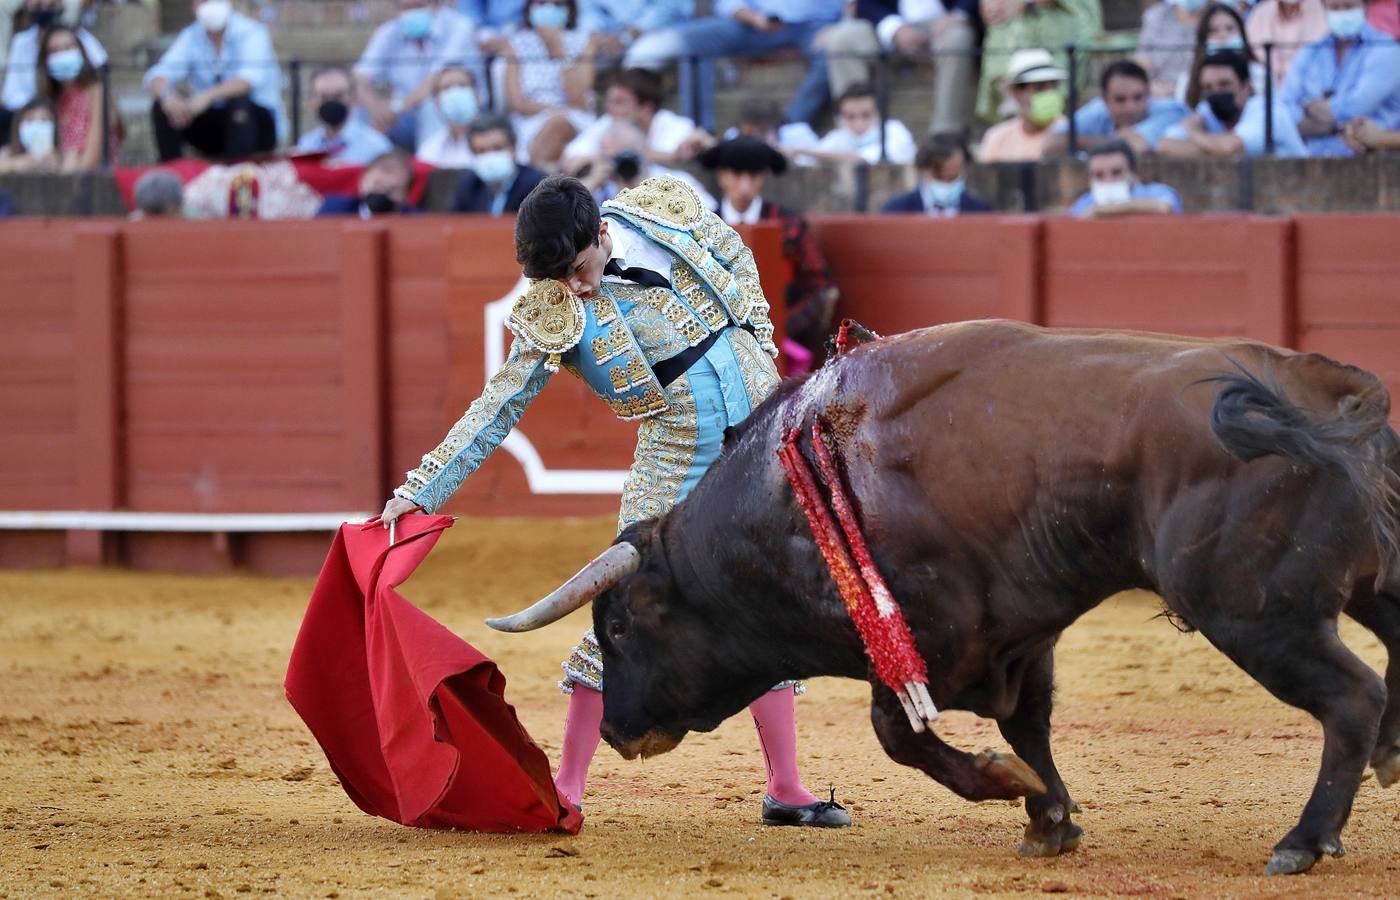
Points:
[(1346, 23), (213, 15), (36, 136), (1110, 193), (494, 166)]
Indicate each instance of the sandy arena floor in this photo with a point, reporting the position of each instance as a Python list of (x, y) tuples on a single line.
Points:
[(146, 749)]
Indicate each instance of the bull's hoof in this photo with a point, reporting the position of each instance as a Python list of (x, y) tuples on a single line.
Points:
[(1388, 768), (1291, 862), (1060, 838), (1009, 774)]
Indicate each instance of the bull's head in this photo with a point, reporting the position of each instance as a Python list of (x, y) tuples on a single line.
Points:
[(666, 668)]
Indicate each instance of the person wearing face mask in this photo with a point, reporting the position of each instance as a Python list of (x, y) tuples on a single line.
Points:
[(394, 76), (857, 137), (635, 95), (940, 163), (454, 96), (1351, 73), (21, 63), (742, 166), (347, 140), (68, 81), (1222, 31), (1125, 109), (384, 190), (218, 88), (549, 80), (1035, 83), (496, 184), (1165, 44), (1013, 25), (1115, 190), (1230, 119), (33, 140), (1288, 25)]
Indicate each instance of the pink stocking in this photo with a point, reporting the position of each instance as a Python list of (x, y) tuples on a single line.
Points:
[(776, 721), (580, 741)]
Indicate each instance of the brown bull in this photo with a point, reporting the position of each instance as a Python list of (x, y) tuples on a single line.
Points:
[(1010, 478)]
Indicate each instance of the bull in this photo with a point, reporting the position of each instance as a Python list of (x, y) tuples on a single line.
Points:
[(1008, 479)]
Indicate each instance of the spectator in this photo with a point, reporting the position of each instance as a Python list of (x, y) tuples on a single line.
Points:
[(1115, 190), (492, 20), (1222, 31), (42, 14), (1014, 25), (68, 81), (384, 188), (158, 194), (763, 119), (1364, 136), (940, 163), (747, 28), (549, 79), (32, 146), (402, 57), (21, 86), (454, 95), (1354, 71), (1165, 44), (1384, 16), (1288, 25), (635, 96), (496, 184), (616, 24), (1033, 80), (1229, 121), (1124, 109), (742, 166), (346, 139), (857, 136), (218, 88), (624, 165), (950, 29)]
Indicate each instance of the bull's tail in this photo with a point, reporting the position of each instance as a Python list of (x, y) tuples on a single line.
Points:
[(1251, 419)]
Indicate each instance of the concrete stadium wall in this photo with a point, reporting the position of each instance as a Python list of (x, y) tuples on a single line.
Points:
[(302, 367)]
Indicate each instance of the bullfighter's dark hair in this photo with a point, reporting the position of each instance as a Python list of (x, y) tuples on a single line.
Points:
[(556, 222), (1116, 145)]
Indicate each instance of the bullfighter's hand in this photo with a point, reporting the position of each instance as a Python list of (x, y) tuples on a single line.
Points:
[(397, 506)]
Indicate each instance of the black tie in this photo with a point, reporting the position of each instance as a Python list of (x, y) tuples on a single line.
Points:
[(636, 275)]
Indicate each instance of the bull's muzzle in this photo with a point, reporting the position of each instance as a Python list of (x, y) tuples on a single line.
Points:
[(653, 743)]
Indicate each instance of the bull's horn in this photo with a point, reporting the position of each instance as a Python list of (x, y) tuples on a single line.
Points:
[(610, 567)]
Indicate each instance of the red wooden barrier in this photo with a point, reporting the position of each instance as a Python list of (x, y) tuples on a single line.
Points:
[(304, 366)]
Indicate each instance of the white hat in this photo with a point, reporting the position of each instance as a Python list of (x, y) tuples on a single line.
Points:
[(1033, 66)]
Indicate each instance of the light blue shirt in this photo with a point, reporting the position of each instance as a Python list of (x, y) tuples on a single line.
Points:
[(356, 144), (1151, 191), (1250, 128), (612, 16), (20, 83), (247, 54), (493, 15), (1092, 120), (787, 10), (401, 63), (1366, 84)]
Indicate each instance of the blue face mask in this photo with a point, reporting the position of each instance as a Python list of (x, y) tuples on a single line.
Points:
[(945, 194), (549, 15), (494, 167), (1346, 23), (65, 65), (1190, 5), (1235, 44), (458, 104), (416, 24)]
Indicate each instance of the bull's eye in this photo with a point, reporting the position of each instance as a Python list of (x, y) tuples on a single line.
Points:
[(617, 630)]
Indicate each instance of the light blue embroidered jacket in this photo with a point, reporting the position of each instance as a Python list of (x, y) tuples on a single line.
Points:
[(611, 341)]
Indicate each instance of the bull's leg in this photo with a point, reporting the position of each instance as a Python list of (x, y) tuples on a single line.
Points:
[(1381, 614), (1305, 664), (986, 776), (1050, 831)]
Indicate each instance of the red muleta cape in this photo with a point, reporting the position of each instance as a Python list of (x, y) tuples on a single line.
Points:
[(412, 718)]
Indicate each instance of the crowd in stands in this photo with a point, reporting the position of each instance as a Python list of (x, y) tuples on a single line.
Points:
[(509, 90)]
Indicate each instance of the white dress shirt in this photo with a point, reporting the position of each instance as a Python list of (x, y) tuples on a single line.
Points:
[(632, 248), (732, 216)]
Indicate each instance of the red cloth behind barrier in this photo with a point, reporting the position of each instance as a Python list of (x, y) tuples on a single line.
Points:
[(413, 720), (320, 178)]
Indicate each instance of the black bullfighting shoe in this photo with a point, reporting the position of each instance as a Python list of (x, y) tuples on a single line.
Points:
[(822, 814)]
